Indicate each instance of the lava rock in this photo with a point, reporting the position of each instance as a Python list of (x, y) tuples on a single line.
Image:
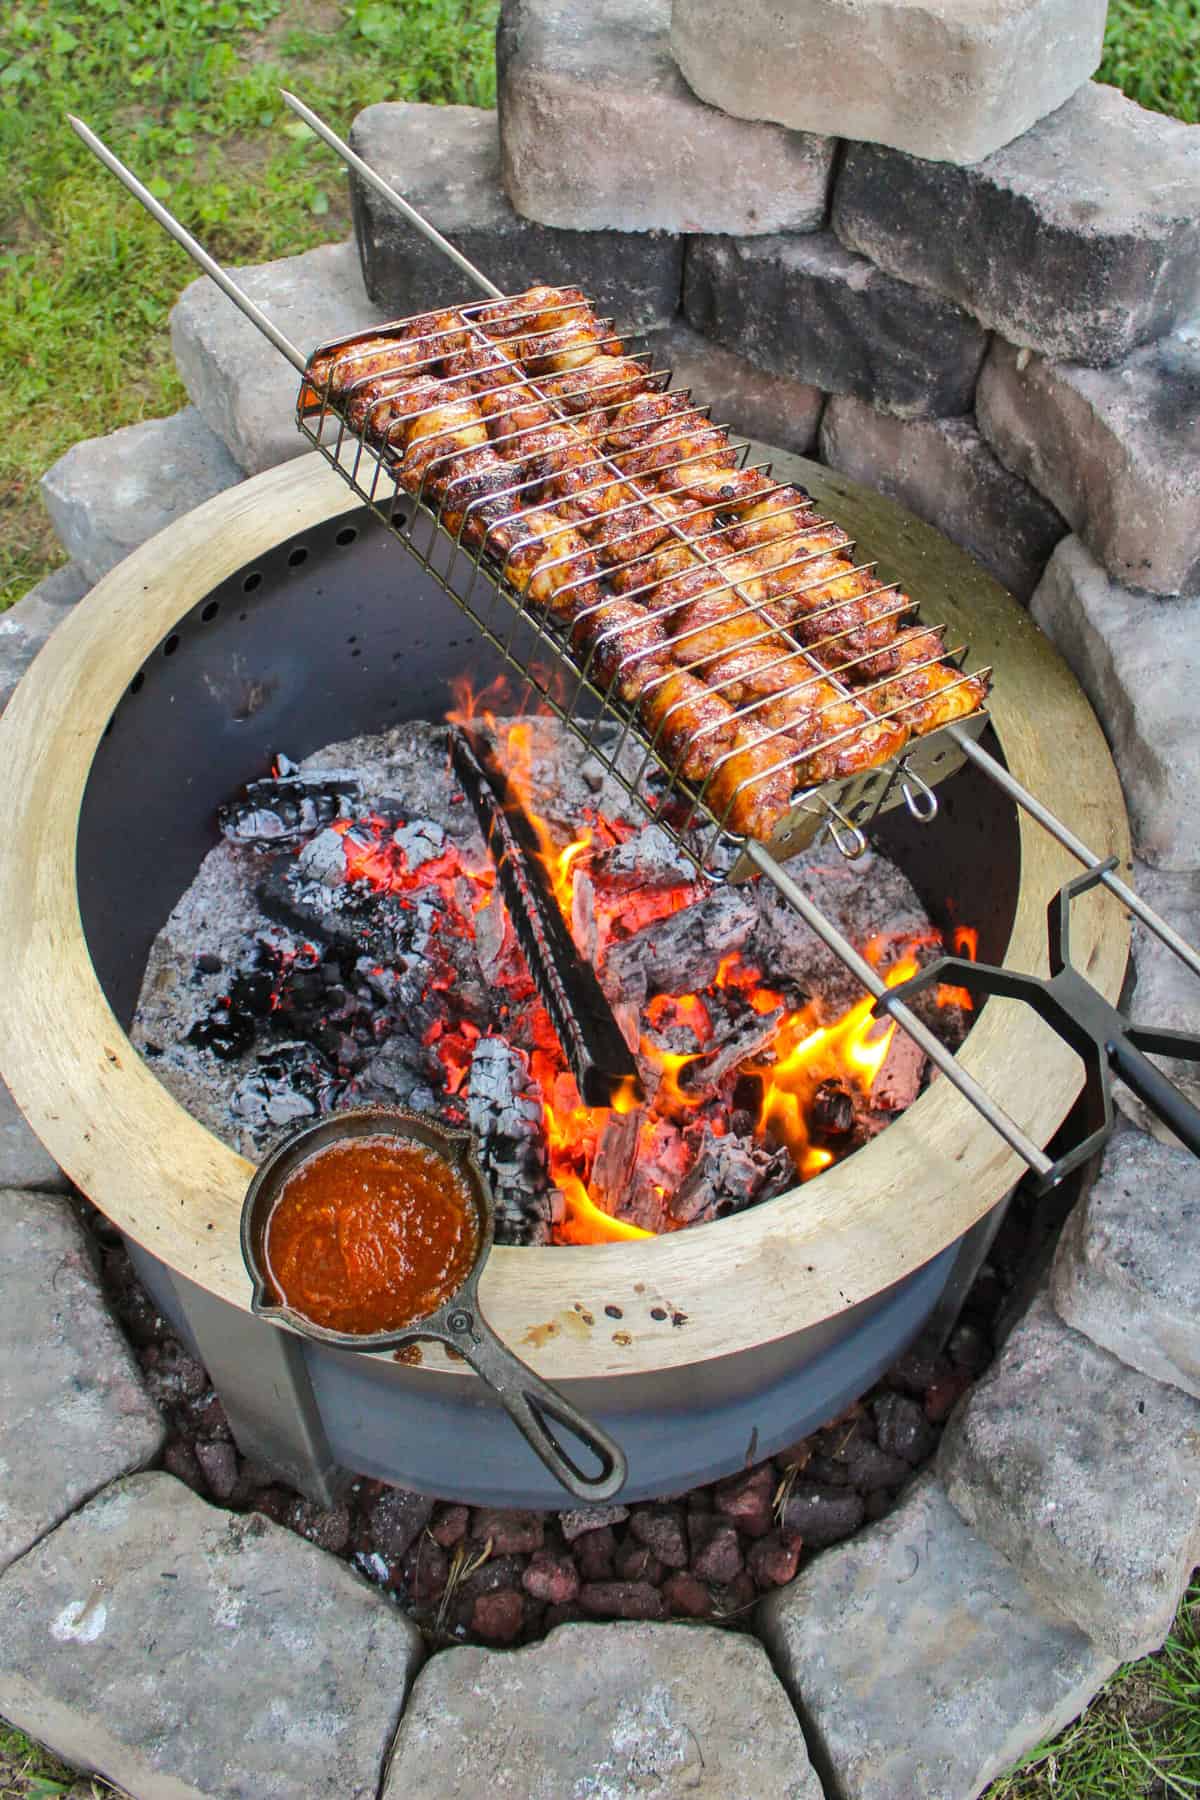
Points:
[(180, 1460), (772, 1561), (579, 1519), (716, 1553), (109, 494), (1117, 451), (902, 1429), (933, 78), (498, 1616), (328, 1527), (99, 1632), (942, 470), (617, 1709), (920, 1619), (599, 131), (1121, 646), (748, 1499), (594, 1552), (686, 1596), (24, 628), (425, 1572), (621, 1600), (219, 1464), (1127, 1267), (822, 1515), (1079, 240), (446, 161), (804, 306), (511, 1533), (662, 1530), (397, 1519), (448, 1525), (867, 1466), (551, 1577), (1048, 1460)]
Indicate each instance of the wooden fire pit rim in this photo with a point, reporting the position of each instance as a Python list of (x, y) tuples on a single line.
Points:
[(717, 1290)]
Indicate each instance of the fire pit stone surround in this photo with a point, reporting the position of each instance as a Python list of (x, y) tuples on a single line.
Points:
[(859, 1745)]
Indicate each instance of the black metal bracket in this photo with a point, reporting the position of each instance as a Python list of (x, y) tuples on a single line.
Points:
[(1098, 1032)]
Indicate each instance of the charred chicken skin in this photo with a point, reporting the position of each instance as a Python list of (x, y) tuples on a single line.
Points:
[(761, 658)]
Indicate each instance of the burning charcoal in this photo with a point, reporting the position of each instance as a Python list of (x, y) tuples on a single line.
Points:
[(728, 1174), (323, 859), (405, 1073), (551, 1578), (621, 1600), (288, 809), (498, 1617), (686, 1596), (289, 1082), (647, 862), (772, 1561), (226, 1030), (504, 1108), (701, 1080), (616, 1157), (421, 841), (822, 1515), (903, 1428), (681, 954), (899, 1080), (832, 1114)]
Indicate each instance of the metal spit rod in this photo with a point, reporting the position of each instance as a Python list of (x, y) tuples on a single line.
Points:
[(943, 1059)]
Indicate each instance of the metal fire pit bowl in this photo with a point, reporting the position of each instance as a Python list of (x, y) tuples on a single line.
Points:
[(282, 616), (459, 1322)]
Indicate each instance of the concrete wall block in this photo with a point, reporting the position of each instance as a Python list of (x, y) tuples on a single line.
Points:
[(1138, 660), (107, 495), (918, 1661), (446, 161), (772, 408), (930, 76), (803, 306), (238, 382), (1080, 240), (1116, 450), (947, 475), (1165, 992), (1085, 1474), (188, 1653), (73, 1411), (1127, 1268), (24, 628), (599, 130)]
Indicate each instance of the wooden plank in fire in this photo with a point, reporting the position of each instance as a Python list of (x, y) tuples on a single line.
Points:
[(592, 1042)]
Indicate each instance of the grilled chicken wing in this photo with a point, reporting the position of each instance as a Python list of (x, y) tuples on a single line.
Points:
[(925, 698)]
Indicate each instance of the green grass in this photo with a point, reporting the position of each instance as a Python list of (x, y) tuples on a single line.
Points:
[(185, 91), (1152, 53), (1139, 1739), (27, 1772)]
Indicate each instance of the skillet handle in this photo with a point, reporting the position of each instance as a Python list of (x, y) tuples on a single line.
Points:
[(532, 1404)]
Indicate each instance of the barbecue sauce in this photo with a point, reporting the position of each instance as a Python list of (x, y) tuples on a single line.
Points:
[(371, 1235)]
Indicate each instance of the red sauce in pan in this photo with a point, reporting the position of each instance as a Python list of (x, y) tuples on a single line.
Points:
[(371, 1234)]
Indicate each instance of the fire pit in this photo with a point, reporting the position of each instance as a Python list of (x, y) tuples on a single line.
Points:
[(280, 615)]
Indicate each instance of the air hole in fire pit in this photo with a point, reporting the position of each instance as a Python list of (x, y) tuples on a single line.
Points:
[(252, 581), (210, 611), (298, 555), (172, 644), (346, 535)]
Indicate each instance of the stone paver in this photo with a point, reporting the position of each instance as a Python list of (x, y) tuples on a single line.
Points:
[(25, 627), (109, 494), (1086, 1475), (1138, 661), (598, 129), (944, 471), (1080, 240), (1127, 1268), (803, 306), (446, 161), (603, 1712), (239, 383), (24, 1162), (1116, 450), (933, 77), (919, 1663), (73, 1412), (1166, 993), (772, 408), (192, 1654)]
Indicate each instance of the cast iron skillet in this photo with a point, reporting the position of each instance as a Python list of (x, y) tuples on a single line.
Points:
[(530, 1402)]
